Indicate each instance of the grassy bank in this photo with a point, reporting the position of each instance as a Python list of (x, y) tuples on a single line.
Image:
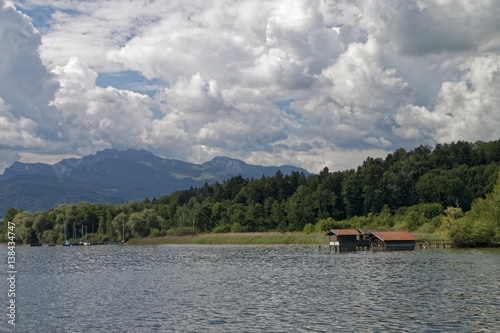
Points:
[(238, 238)]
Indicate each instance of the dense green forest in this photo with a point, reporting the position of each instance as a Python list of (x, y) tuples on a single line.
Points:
[(452, 188)]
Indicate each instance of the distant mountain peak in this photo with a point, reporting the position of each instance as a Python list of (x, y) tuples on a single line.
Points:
[(227, 163), (224, 158), (120, 153)]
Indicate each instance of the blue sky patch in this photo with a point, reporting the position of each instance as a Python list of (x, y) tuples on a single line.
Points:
[(129, 80), (41, 16), (285, 106)]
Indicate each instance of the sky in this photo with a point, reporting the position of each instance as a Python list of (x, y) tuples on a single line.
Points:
[(301, 82)]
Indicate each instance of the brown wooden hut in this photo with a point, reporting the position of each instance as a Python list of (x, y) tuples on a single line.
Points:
[(392, 240), (346, 239)]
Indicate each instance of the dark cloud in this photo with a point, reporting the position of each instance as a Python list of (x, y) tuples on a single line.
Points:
[(431, 30), (420, 29)]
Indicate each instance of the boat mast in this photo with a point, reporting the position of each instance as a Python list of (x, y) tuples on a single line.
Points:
[(65, 237), (123, 225)]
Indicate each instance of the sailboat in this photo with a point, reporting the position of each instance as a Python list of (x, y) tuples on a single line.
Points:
[(110, 242), (84, 242), (65, 243)]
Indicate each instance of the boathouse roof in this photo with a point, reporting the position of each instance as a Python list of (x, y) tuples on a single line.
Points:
[(388, 236), (342, 232), (366, 232)]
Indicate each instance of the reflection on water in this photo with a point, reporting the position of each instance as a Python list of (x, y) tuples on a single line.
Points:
[(255, 288)]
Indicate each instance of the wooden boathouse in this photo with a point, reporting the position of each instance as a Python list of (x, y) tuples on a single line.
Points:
[(392, 240), (346, 239), (378, 239)]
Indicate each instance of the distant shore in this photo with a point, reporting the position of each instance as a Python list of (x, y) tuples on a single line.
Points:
[(249, 238)]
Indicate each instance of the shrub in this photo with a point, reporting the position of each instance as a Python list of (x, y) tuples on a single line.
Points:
[(236, 227), (183, 231), (309, 228), (155, 233), (325, 224), (220, 229), (427, 228)]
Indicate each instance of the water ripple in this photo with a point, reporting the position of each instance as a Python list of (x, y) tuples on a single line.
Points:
[(256, 288)]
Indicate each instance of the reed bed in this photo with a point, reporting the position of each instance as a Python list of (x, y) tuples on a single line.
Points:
[(249, 238)]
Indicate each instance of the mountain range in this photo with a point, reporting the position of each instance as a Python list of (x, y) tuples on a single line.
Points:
[(114, 176)]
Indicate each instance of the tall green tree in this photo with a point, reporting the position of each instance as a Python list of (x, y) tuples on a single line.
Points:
[(352, 192), (300, 209), (8, 217), (24, 231)]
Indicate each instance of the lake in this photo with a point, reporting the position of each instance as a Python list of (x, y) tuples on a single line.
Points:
[(188, 288)]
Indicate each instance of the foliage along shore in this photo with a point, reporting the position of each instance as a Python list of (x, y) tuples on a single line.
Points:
[(449, 190)]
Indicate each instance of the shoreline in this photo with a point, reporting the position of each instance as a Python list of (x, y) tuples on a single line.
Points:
[(248, 238)]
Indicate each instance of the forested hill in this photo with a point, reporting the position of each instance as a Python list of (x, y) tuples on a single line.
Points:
[(448, 174), (407, 189)]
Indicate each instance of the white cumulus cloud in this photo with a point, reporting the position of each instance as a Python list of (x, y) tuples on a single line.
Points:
[(301, 82)]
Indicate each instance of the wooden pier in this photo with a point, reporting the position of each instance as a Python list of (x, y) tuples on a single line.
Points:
[(434, 244)]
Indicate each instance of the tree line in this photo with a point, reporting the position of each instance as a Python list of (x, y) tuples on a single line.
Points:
[(446, 187)]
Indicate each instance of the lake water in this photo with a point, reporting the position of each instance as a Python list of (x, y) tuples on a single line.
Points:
[(185, 288)]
